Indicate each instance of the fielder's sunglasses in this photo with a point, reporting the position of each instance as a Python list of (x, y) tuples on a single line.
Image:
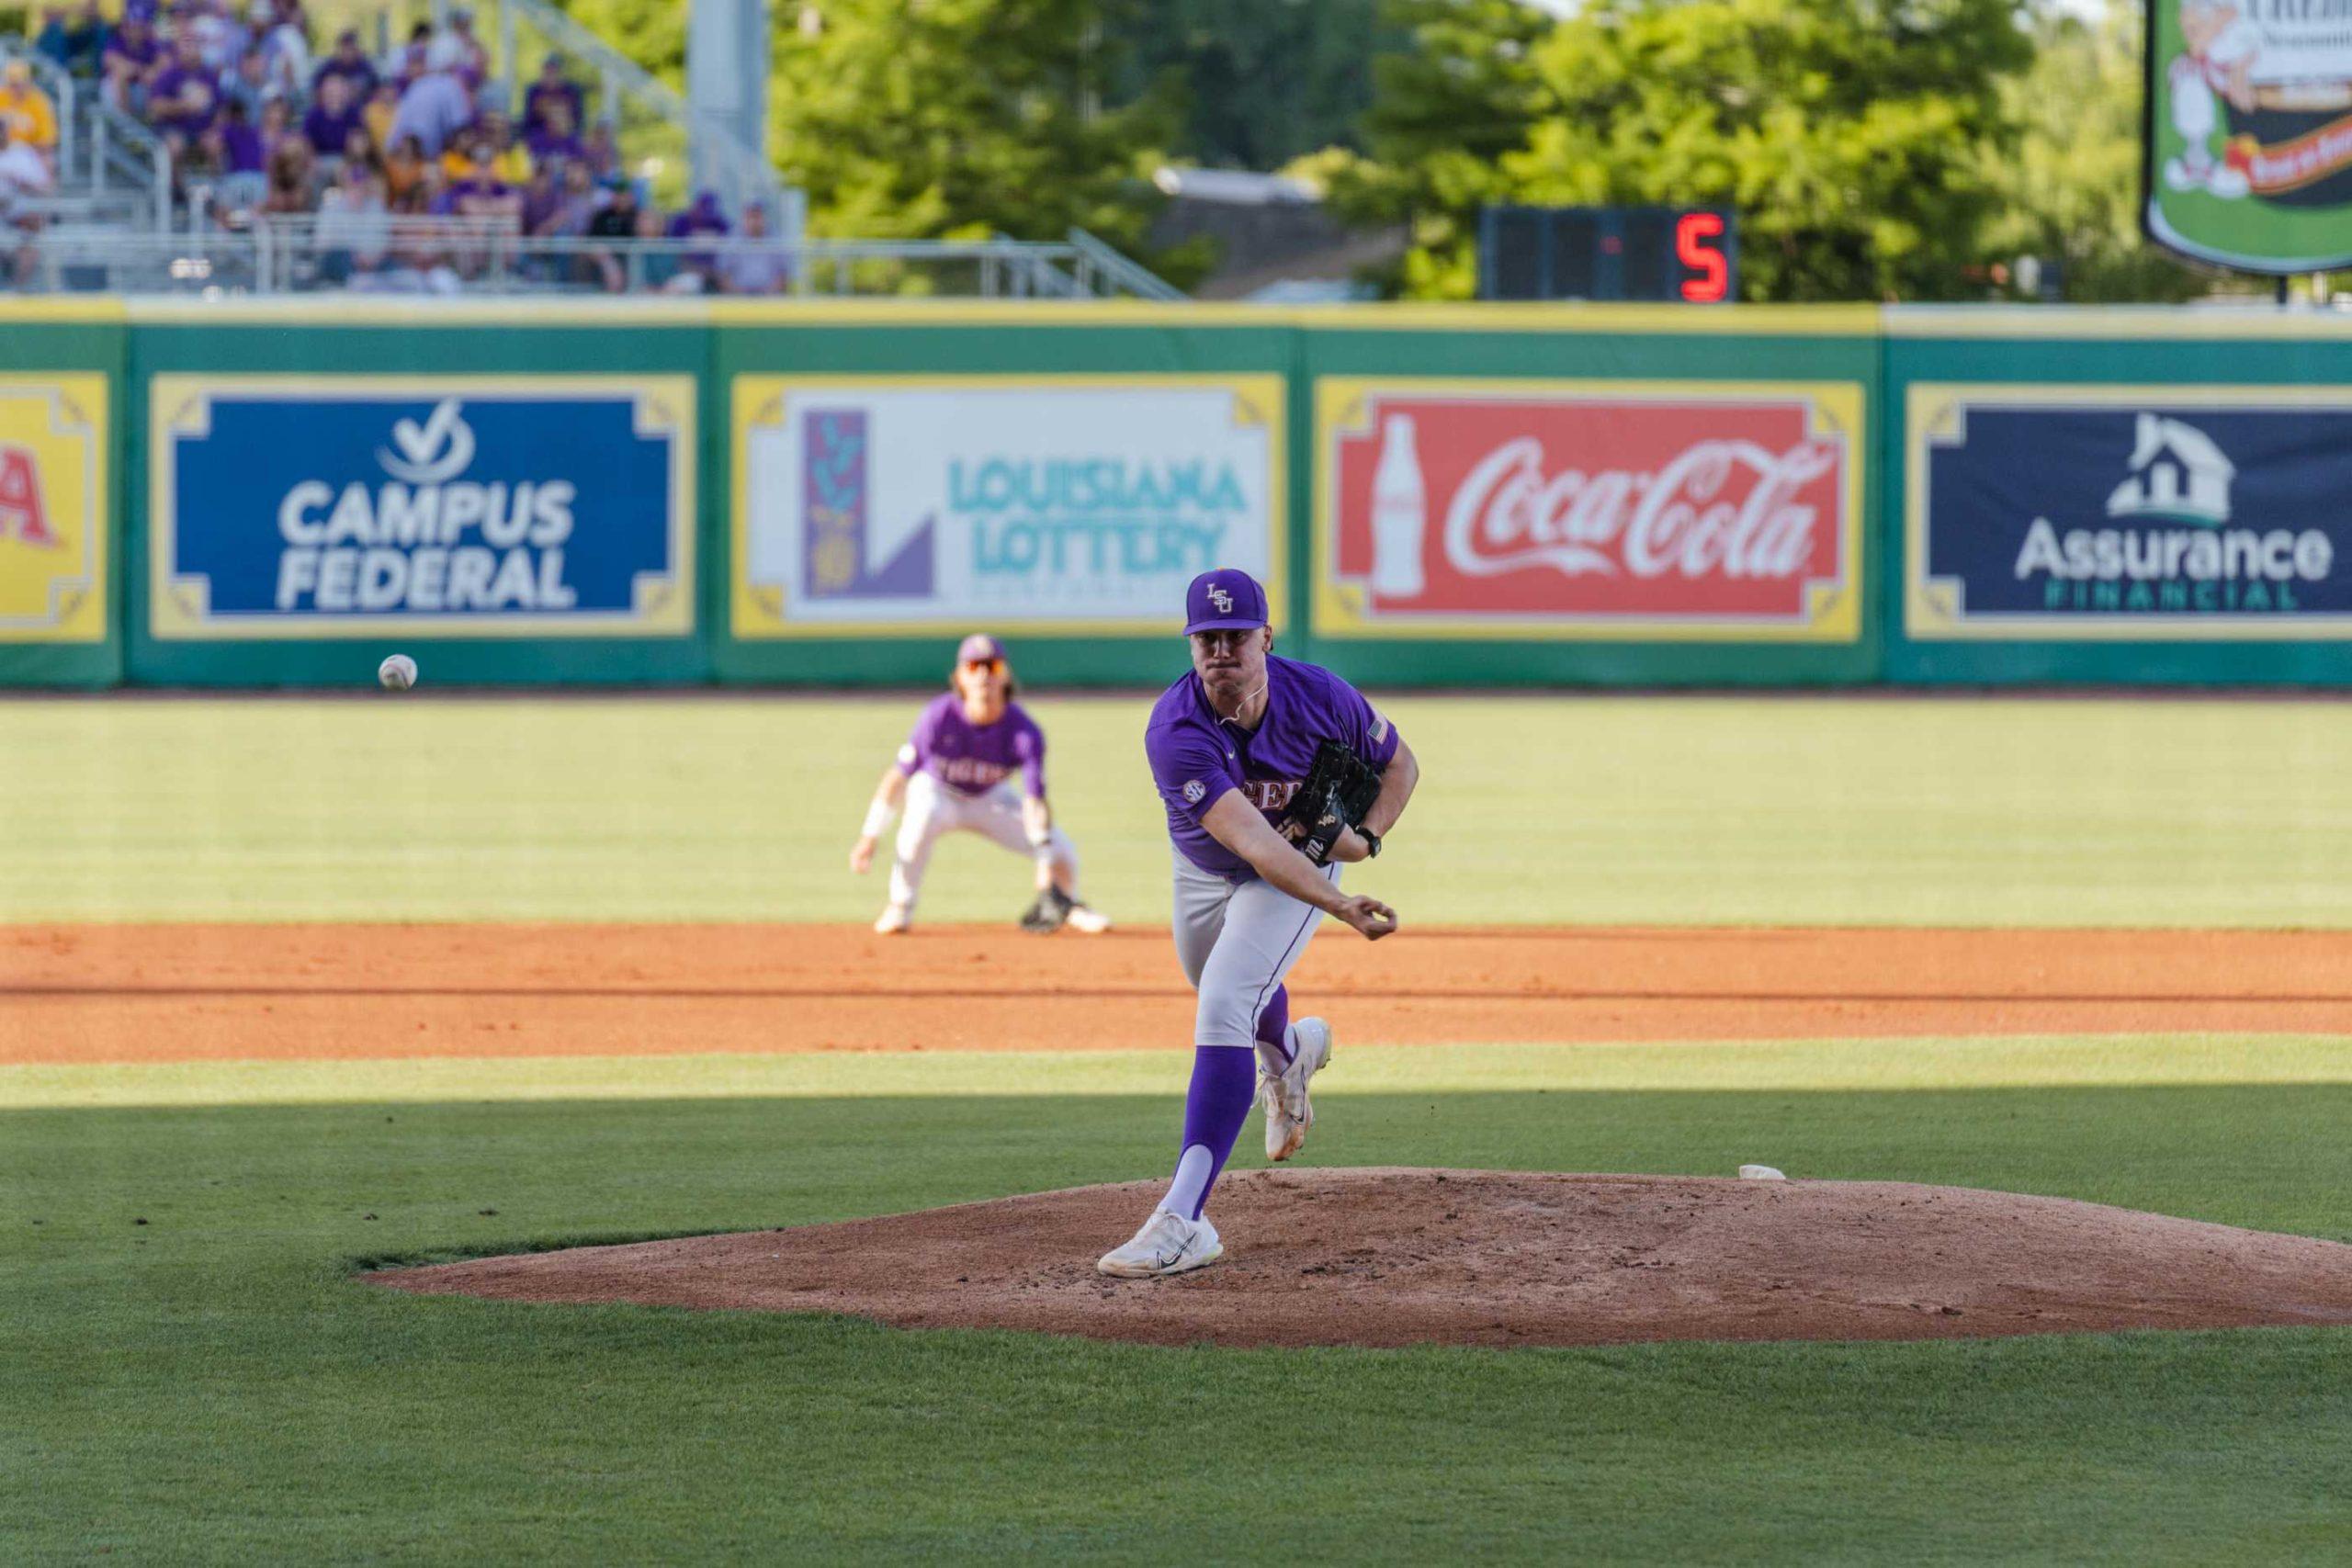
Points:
[(993, 666)]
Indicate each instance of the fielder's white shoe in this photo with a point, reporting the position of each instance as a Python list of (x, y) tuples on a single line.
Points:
[(1093, 922), (1289, 1113), (1167, 1243), (894, 920)]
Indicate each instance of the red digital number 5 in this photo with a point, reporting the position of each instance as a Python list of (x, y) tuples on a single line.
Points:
[(1694, 233)]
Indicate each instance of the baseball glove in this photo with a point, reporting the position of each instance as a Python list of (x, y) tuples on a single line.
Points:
[(1341, 787), (1046, 916)]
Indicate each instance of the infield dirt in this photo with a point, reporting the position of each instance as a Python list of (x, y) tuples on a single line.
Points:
[(145, 993), (1389, 1257)]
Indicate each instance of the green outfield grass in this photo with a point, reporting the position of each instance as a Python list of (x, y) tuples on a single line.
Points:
[(1593, 810), (212, 1386)]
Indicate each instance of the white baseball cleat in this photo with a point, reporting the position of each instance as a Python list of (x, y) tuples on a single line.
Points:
[(1093, 922), (895, 920), (1167, 1243), (1289, 1113)]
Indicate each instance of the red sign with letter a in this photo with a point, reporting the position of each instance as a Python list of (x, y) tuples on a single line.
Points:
[(1606, 507), (22, 517)]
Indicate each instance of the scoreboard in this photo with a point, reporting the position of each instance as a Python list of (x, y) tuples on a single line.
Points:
[(1678, 254)]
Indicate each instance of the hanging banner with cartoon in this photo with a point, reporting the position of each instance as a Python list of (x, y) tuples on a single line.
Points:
[(2249, 152)]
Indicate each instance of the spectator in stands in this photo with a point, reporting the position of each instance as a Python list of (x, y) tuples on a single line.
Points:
[(574, 206), (552, 87), (285, 49), (458, 51), (404, 169), (291, 169), (277, 125), (333, 118), (412, 60), (30, 118), (348, 63), (656, 267), (509, 159), (133, 58), (603, 153), (248, 86), (554, 140), (617, 220), (220, 37), (358, 148), (185, 95), (756, 264), (703, 219), (79, 44), (23, 173), (244, 159), (383, 105), (434, 108), (355, 227)]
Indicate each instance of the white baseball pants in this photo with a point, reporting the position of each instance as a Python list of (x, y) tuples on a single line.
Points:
[(1237, 945), (933, 808)]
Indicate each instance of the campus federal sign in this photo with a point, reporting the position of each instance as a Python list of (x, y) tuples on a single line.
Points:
[(456, 506), (2128, 512), (2248, 161), (1028, 505)]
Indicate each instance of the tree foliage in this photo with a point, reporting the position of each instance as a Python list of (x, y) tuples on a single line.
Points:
[(2071, 193), (1849, 135), (930, 118), (1260, 82)]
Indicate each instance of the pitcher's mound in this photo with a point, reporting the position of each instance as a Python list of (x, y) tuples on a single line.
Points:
[(1396, 1256)]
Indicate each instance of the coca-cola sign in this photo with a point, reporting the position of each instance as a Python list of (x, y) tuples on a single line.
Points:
[(1629, 511)]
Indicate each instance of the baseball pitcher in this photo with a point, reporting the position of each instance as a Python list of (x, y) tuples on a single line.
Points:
[(1273, 773), (955, 776)]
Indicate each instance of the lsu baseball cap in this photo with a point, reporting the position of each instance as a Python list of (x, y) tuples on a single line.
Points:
[(978, 649), (1224, 600)]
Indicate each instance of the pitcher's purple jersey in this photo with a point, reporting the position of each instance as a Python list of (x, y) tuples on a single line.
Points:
[(1196, 757), (973, 758)]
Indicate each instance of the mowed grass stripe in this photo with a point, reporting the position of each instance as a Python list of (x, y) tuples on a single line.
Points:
[(2150, 812), (1817, 1064)]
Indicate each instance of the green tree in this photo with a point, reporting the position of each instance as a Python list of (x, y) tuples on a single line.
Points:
[(1261, 81), (1849, 135), (2071, 189), (941, 119), (1460, 93)]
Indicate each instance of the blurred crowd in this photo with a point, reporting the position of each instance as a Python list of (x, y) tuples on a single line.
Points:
[(258, 122)]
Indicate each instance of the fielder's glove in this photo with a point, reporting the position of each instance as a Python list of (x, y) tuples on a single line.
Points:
[(1341, 787), (1046, 916)]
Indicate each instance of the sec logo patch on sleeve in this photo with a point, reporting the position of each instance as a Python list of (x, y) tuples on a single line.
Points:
[(1193, 789)]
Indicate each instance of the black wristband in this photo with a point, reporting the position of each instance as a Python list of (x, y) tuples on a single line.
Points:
[(1371, 842)]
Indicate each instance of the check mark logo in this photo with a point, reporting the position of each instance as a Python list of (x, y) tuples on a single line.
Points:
[(439, 450)]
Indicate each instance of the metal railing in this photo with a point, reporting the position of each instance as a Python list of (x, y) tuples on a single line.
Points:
[(376, 252), (107, 162)]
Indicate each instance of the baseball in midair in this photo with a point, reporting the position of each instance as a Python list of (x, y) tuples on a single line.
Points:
[(397, 674)]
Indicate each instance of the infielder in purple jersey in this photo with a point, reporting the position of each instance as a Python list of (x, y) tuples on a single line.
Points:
[(1229, 745), (954, 774)]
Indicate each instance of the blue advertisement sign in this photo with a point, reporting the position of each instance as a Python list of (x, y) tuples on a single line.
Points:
[(463, 506), (2125, 512)]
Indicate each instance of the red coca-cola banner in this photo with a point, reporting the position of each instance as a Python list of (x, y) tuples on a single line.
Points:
[(1613, 507)]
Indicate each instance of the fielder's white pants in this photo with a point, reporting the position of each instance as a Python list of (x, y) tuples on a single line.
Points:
[(1237, 945), (933, 808)]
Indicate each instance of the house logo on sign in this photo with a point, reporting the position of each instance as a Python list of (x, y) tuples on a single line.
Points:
[(2178, 474)]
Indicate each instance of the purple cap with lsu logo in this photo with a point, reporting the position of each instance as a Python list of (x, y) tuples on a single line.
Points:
[(980, 649), (1224, 600)]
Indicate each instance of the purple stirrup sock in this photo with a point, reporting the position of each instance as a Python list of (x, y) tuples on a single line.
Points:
[(1225, 1082), (1274, 1025)]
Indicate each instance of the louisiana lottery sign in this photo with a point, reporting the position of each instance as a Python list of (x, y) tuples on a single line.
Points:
[(2134, 512), (1027, 504), (347, 506), (2249, 125), (1601, 510)]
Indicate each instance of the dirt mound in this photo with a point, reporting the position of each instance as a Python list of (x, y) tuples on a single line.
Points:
[(1398, 1257)]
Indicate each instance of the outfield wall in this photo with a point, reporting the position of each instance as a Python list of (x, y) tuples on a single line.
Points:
[(271, 492)]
